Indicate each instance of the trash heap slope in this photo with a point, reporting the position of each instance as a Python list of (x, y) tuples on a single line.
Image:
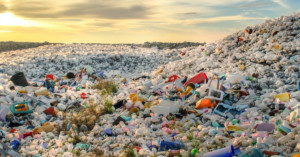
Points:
[(239, 96), (270, 48)]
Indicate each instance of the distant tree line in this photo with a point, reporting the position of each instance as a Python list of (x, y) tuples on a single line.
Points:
[(10, 45), (166, 45)]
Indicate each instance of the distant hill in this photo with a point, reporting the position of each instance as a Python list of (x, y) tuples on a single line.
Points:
[(165, 45), (11, 45)]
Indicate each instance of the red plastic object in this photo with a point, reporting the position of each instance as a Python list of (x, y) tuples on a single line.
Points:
[(13, 130), (49, 76), (50, 111), (173, 78), (197, 79), (28, 134), (83, 96), (137, 148)]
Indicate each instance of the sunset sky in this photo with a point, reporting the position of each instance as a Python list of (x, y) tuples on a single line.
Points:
[(134, 21)]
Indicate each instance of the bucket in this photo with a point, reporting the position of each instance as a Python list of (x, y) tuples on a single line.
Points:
[(224, 152), (19, 79)]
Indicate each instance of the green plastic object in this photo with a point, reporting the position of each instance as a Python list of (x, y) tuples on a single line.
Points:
[(234, 121), (250, 78), (20, 108), (194, 151), (82, 145)]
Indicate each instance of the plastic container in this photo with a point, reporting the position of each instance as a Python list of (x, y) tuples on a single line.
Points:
[(197, 79), (166, 107), (42, 91), (285, 97), (215, 94), (20, 108)]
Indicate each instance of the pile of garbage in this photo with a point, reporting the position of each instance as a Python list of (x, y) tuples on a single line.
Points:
[(237, 97), (116, 60)]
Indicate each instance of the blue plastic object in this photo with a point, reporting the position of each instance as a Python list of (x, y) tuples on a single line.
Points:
[(223, 152), (222, 77), (108, 132), (2, 134), (45, 145), (100, 74), (126, 118), (298, 85), (68, 126), (225, 110), (15, 144), (173, 134), (221, 109), (286, 130), (167, 144), (30, 127), (49, 86), (216, 124)]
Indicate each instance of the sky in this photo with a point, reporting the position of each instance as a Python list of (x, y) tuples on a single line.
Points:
[(134, 21)]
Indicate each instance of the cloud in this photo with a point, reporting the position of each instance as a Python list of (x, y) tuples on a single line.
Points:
[(254, 5), (281, 3), (219, 19), (2, 8), (33, 9), (5, 31), (98, 10), (190, 13), (102, 24), (212, 2), (87, 9)]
